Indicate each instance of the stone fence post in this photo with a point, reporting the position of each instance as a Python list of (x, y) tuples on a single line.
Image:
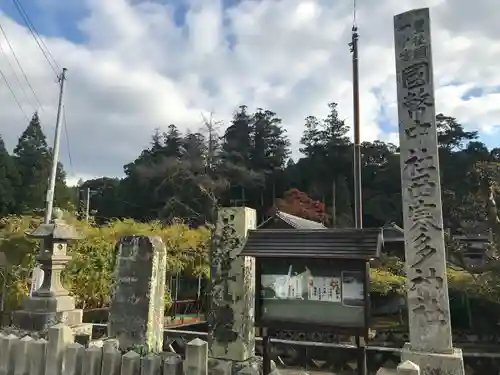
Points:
[(196, 358), (60, 337), (24, 356), (408, 368), (60, 355)]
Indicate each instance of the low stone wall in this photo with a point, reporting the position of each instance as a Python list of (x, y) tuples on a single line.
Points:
[(58, 354)]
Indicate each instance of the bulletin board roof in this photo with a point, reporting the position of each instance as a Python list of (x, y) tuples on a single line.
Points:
[(328, 243)]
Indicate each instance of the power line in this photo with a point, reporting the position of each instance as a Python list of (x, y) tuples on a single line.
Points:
[(36, 36), (20, 67), (15, 74), (13, 94)]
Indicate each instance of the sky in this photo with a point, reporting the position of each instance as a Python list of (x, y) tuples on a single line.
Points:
[(134, 66)]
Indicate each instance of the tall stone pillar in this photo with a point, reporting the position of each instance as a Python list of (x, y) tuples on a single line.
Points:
[(430, 344), (231, 316)]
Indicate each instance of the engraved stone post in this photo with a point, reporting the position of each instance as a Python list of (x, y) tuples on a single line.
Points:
[(231, 316), (136, 316), (428, 303), (51, 303)]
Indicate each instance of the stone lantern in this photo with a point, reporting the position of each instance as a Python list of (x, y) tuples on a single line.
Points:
[(51, 303)]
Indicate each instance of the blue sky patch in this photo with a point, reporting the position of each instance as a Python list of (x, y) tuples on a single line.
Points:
[(475, 92), (385, 123), (181, 9), (56, 19), (490, 139)]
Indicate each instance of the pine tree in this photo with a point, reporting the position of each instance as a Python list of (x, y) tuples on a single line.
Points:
[(270, 145), (195, 147), (237, 144), (451, 134), (328, 152), (9, 181), (269, 152), (34, 158), (173, 142), (235, 164)]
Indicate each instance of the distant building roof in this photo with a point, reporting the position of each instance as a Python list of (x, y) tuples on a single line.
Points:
[(294, 221), (394, 226), (393, 233)]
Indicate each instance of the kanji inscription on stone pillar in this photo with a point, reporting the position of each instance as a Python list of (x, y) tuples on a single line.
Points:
[(231, 316), (428, 302)]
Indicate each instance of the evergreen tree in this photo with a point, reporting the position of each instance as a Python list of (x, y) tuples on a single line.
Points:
[(235, 164), (328, 157), (172, 142), (237, 143), (171, 178), (270, 146), (451, 134), (9, 181), (269, 152), (195, 147), (105, 198), (311, 138), (34, 159)]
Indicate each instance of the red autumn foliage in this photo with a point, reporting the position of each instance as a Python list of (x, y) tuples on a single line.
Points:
[(298, 203)]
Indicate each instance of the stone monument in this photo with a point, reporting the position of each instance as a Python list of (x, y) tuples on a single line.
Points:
[(136, 316), (231, 340), (51, 303), (430, 344)]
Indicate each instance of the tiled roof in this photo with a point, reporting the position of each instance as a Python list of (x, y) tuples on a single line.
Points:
[(298, 222)]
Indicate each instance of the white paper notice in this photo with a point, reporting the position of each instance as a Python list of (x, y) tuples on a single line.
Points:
[(324, 289)]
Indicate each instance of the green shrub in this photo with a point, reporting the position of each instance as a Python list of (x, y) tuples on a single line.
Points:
[(89, 274)]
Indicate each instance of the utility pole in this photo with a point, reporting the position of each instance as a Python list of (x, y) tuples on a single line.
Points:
[(334, 203), (55, 155), (87, 205), (358, 205)]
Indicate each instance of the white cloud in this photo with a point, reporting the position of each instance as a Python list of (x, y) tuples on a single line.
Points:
[(137, 70)]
